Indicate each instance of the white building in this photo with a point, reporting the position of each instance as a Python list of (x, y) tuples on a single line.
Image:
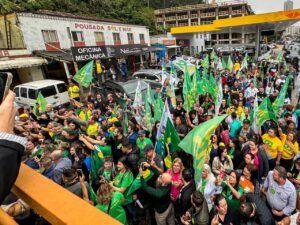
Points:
[(288, 5), (52, 35)]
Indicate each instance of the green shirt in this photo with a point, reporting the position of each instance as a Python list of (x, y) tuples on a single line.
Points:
[(105, 149), (124, 180), (231, 200), (141, 145), (116, 210)]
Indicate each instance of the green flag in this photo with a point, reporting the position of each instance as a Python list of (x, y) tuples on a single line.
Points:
[(158, 108), (205, 62), (265, 112), (148, 120), (255, 81), (280, 57), (230, 64), (136, 184), (96, 161), (212, 90), (151, 99), (171, 137), (186, 90), (193, 93), (42, 104), (197, 140), (125, 123), (85, 75), (92, 194), (224, 64), (279, 101)]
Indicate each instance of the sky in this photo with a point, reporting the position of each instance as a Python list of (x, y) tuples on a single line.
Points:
[(263, 6)]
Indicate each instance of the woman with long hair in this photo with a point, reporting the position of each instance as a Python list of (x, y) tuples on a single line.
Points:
[(213, 148), (290, 149), (231, 189), (222, 162), (110, 202), (207, 185), (177, 181), (121, 183), (260, 159)]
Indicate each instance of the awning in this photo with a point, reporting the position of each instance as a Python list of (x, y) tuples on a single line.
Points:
[(61, 56), (21, 62), (172, 46)]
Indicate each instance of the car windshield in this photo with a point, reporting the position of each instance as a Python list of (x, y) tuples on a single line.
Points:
[(131, 87)]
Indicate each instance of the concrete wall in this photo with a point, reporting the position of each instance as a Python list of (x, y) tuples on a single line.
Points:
[(16, 34), (33, 24)]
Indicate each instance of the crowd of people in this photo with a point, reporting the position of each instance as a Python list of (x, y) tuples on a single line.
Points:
[(247, 178)]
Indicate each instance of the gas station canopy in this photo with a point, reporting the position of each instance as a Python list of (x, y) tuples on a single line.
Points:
[(277, 21)]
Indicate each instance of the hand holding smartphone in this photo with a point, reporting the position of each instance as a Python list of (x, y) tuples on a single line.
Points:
[(5, 82)]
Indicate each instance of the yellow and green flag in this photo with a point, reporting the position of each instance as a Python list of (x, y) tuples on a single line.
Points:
[(212, 90), (197, 141), (205, 62), (96, 162), (265, 112), (230, 64), (171, 142), (85, 75), (158, 108), (186, 90), (148, 120), (42, 104)]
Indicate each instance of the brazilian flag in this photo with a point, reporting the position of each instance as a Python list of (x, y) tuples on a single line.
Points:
[(197, 140), (265, 112), (137, 184), (97, 162), (85, 75)]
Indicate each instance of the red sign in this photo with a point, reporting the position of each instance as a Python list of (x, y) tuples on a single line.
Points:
[(169, 42)]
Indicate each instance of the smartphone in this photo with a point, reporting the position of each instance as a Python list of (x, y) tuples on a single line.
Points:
[(79, 172), (5, 82)]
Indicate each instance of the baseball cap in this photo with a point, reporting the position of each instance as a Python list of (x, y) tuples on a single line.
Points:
[(246, 121), (141, 133), (148, 148)]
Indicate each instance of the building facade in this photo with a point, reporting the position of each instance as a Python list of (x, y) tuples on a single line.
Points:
[(288, 5), (52, 35), (200, 14)]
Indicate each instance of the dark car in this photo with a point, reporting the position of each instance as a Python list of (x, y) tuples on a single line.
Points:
[(120, 88), (154, 79)]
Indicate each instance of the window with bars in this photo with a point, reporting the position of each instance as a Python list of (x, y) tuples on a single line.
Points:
[(99, 36), (116, 37), (50, 36), (77, 36)]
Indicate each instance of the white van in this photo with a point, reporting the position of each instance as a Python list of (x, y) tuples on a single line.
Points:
[(54, 91)]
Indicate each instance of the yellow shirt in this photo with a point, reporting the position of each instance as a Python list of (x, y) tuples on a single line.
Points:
[(237, 66), (239, 111), (84, 117), (288, 152), (74, 91), (274, 145), (92, 130)]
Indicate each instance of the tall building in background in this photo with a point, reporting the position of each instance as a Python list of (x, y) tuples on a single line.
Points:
[(288, 5)]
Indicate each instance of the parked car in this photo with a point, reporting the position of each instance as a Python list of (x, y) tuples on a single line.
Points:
[(120, 88), (154, 79), (54, 91)]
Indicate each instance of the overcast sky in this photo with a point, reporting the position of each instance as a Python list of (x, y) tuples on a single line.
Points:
[(262, 6)]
